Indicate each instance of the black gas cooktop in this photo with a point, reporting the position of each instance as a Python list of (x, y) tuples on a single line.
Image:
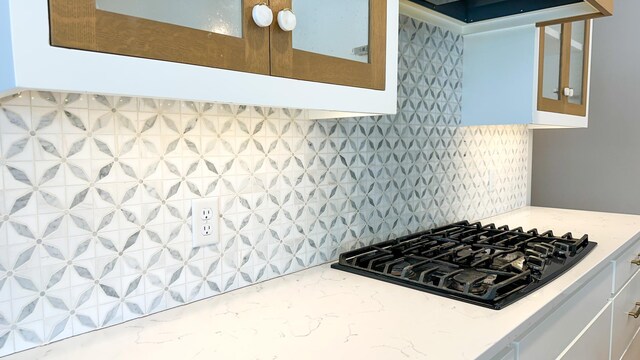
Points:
[(484, 265)]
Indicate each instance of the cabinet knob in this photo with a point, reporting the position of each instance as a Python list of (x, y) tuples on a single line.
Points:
[(287, 20), (636, 261), (636, 312), (568, 92), (262, 15)]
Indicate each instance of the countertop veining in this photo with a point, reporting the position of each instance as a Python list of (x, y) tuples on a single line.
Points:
[(321, 312)]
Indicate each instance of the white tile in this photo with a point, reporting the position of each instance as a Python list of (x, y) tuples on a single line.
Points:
[(84, 320), (28, 335), (20, 98), (110, 313), (288, 196)]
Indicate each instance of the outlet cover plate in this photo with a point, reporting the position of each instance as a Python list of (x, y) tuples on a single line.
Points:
[(198, 222)]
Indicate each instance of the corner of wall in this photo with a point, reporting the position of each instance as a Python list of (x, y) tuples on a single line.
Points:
[(530, 168)]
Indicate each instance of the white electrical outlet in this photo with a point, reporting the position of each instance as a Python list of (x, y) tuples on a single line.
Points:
[(205, 221), (206, 214), (206, 230)]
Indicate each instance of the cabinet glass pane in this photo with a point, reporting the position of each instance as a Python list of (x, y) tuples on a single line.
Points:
[(576, 71), (218, 16), (338, 28), (552, 57)]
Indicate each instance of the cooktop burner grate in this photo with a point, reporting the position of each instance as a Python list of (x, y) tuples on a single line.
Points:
[(484, 265)]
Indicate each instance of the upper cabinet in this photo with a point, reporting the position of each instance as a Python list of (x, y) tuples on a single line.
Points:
[(563, 68), (325, 41), (535, 75), (525, 62), (331, 56)]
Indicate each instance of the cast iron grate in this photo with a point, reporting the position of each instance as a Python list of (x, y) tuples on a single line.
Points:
[(484, 265)]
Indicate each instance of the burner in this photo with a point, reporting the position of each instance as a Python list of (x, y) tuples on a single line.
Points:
[(397, 269), (514, 259), (481, 264), (512, 256), (469, 276), (518, 263), (477, 282), (464, 253)]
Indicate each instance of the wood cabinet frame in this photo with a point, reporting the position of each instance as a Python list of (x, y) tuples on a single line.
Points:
[(303, 65), (78, 24), (604, 6), (563, 105)]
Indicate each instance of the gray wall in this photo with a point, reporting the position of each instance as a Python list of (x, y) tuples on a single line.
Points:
[(599, 168)]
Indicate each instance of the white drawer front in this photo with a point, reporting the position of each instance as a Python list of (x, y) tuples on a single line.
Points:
[(561, 327), (625, 326), (624, 266), (633, 352), (506, 354), (593, 343)]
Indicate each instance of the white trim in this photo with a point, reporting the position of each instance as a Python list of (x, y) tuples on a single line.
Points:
[(589, 72), (545, 119)]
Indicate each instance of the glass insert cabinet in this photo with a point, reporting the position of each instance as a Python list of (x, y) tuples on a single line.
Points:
[(563, 67), (330, 41)]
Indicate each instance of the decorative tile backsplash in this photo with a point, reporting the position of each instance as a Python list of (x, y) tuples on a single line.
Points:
[(95, 191)]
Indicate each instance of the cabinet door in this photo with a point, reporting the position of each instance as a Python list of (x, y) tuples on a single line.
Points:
[(551, 336), (335, 41), (563, 68), (633, 351), (551, 66), (625, 325), (593, 342), (213, 33)]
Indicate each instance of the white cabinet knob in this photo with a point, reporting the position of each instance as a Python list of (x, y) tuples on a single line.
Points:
[(568, 92), (262, 15), (287, 20)]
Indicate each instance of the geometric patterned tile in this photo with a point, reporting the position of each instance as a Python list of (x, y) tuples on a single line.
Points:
[(94, 216)]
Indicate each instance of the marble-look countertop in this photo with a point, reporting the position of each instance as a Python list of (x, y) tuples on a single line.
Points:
[(321, 313)]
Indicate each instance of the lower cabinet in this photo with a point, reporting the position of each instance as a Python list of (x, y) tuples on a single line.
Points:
[(625, 324), (557, 331), (510, 355), (633, 352), (625, 266), (599, 321), (593, 342)]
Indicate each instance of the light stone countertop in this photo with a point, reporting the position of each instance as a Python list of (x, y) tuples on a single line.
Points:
[(322, 313)]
